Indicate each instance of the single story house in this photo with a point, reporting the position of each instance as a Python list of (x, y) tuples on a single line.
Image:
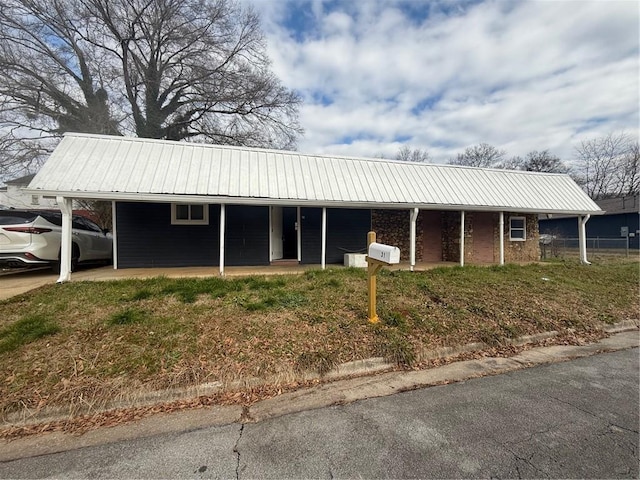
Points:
[(192, 204), (620, 221)]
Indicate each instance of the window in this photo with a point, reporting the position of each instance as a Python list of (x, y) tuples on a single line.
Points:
[(517, 229), (189, 214), (85, 224)]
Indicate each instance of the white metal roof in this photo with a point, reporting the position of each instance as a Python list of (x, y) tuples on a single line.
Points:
[(122, 168)]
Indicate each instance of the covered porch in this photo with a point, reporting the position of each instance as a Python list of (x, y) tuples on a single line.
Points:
[(427, 238), (222, 206)]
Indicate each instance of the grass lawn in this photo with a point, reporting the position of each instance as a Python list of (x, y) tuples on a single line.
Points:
[(79, 344)]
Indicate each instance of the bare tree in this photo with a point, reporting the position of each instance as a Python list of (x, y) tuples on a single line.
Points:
[(171, 69), (513, 163), (100, 211), (608, 166), (631, 170), (543, 161), (20, 156), (407, 154), (481, 155)]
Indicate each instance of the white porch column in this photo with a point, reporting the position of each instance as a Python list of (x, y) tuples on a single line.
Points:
[(501, 229), (114, 235), (223, 222), (66, 207), (582, 238), (413, 216), (324, 238), (299, 233), (462, 238)]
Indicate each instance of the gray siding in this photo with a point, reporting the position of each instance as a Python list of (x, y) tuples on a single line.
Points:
[(146, 237)]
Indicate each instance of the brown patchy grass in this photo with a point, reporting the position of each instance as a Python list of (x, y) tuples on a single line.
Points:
[(81, 345)]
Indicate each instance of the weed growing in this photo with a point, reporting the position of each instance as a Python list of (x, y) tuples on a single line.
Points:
[(128, 316), (320, 362)]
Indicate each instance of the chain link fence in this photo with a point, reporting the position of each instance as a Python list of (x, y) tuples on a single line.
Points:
[(554, 247)]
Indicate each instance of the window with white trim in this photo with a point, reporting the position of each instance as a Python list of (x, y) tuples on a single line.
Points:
[(189, 214), (517, 229)]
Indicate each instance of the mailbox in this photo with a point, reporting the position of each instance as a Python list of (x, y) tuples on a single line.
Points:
[(384, 253)]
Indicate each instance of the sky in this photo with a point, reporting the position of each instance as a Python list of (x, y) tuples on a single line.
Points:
[(375, 75)]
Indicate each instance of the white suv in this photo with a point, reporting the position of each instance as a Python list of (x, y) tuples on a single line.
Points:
[(32, 237)]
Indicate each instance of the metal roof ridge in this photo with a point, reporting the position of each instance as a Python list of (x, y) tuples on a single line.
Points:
[(310, 155)]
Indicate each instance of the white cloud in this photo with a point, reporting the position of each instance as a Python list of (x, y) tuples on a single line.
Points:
[(442, 76)]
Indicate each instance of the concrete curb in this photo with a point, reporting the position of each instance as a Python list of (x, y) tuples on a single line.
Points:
[(333, 393), (365, 367)]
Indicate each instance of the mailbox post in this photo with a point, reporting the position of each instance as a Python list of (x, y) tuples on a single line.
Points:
[(378, 255)]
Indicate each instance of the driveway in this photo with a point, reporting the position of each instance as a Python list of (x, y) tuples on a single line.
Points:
[(15, 282)]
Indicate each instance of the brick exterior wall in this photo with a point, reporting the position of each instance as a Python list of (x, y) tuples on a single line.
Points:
[(392, 228), (431, 236), (484, 233)]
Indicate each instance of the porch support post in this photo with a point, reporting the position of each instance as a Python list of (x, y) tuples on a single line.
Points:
[(324, 238), (501, 230), (223, 222), (582, 238), (413, 216), (462, 238), (299, 233), (114, 235), (66, 207)]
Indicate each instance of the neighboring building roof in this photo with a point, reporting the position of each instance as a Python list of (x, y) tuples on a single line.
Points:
[(626, 204), (121, 168), (21, 181)]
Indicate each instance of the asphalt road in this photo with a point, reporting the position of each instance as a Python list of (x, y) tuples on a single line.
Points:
[(577, 419)]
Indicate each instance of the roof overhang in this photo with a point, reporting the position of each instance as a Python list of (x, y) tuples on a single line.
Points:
[(258, 201)]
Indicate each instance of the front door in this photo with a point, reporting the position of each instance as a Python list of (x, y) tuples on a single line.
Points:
[(284, 235), (289, 233), (276, 233)]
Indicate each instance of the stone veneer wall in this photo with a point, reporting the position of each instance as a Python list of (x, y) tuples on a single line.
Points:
[(527, 251), (392, 228), (450, 232)]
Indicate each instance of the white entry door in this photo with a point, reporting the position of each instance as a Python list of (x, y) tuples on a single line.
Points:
[(276, 233)]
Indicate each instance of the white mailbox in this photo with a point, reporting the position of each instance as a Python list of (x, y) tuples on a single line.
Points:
[(384, 253)]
